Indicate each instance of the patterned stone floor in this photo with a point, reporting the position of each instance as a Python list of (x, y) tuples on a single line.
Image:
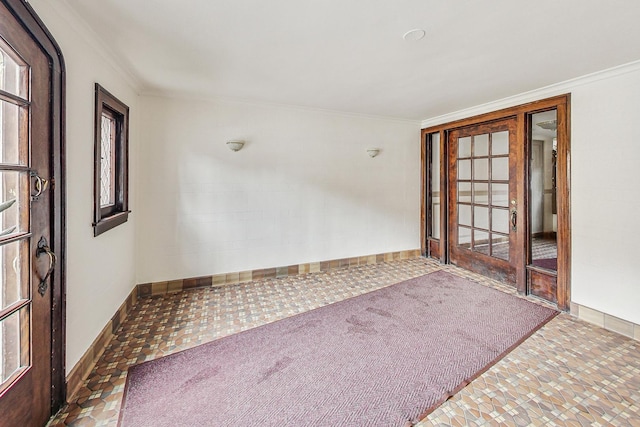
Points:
[(569, 373), (544, 248)]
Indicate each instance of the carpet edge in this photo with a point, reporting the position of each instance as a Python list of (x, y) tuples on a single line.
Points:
[(490, 365)]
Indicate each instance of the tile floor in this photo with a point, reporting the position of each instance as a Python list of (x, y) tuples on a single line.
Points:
[(569, 373)]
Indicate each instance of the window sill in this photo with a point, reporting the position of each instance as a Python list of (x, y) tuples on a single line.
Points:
[(109, 222)]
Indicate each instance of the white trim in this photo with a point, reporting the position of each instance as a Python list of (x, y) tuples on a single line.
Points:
[(77, 22), (203, 97), (534, 95)]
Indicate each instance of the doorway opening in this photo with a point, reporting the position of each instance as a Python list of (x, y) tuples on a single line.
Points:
[(542, 265), (495, 196)]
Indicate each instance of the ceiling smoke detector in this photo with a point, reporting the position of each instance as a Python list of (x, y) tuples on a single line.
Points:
[(414, 35)]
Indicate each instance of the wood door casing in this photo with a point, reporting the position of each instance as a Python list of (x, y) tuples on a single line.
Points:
[(562, 104)]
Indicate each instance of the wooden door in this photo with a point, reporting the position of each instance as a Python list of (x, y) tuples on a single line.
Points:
[(26, 262), (484, 167)]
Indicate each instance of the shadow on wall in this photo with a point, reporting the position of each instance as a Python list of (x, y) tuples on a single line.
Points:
[(302, 189)]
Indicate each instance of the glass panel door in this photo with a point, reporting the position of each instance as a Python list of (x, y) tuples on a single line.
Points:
[(27, 309), (482, 173), (15, 302), (25, 217)]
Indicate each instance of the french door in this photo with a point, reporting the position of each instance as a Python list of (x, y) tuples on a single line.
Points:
[(503, 178), (26, 206), (484, 168)]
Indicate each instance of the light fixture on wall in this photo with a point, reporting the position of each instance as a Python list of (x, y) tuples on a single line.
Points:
[(235, 145), (548, 125), (372, 152)]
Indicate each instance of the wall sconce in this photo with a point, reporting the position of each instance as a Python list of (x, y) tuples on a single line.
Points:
[(372, 152), (235, 145)]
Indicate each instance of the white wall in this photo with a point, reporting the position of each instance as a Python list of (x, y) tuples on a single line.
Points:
[(303, 189), (537, 185), (604, 185), (605, 203), (550, 224), (100, 270)]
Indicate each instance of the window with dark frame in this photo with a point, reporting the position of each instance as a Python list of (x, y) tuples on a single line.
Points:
[(111, 162)]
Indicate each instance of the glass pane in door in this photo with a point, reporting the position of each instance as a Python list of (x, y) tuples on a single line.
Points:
[(464, 215), (500, 143), (464, 147), (481, 241), (481, 169), (500, 168), (483, 193), (464, 169), (464, 192), (12, 72), (500, 246), (11, 357), (14, 203), (481, 217), (500, 220), (500, 195), (481, 145), (434, 144), (14, 273), (14, 128), (464, 237)]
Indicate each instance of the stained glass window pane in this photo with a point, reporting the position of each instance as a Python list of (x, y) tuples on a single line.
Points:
[(107, 151)]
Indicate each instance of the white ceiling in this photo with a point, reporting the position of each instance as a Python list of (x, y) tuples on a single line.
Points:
[(349, 55)]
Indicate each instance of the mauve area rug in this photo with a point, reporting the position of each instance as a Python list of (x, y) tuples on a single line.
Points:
[(386, 358), (548, 263)]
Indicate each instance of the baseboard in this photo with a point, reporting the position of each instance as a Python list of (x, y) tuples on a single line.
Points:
[(85, 365), (606, 321), (160, 288)]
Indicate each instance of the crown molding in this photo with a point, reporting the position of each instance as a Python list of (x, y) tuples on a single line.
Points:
[(74, 20), (533, 95), (204, 97)]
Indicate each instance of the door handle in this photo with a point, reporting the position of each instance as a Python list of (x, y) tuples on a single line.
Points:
[(41, 185), (514, 219), (43, 248)]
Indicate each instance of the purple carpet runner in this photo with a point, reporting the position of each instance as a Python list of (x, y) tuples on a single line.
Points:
[(384, 359)]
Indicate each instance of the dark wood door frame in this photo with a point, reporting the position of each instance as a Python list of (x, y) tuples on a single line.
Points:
[(430, 246), (562, 104), (39, 33)]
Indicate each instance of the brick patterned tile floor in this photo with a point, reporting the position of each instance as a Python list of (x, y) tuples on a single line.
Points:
[(569, 373)]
